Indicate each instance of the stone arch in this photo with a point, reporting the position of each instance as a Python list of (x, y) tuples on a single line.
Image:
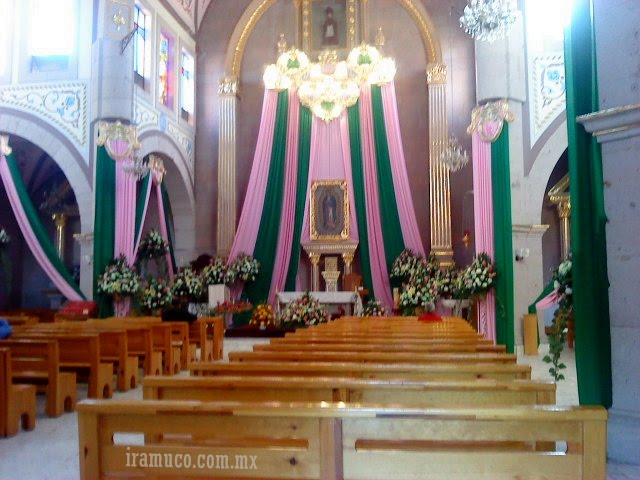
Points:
[(179, 186), (71, 161), (256, 9)]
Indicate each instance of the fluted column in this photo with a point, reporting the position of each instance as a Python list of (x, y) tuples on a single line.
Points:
[(439, 189), (564, 212), (227, 194), (60, 220)]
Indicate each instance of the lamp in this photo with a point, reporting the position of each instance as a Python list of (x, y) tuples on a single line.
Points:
[(521, 254), (488, 20), (454, 156)]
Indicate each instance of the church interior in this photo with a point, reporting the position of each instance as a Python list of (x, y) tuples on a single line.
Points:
[(206, 203)]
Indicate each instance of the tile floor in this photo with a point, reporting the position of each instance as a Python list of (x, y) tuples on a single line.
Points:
[(50, 452)]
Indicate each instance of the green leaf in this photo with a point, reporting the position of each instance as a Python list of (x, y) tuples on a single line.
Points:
[(560, 377), (562, 365)]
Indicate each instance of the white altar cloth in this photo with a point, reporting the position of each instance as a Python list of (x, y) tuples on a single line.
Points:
[(351, 300)]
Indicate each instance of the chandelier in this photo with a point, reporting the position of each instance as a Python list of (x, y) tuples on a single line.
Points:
[(137, 168), (488, 20), (454, 156)]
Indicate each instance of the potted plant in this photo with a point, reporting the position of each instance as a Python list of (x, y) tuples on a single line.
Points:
[(120, 281), (563, 283)]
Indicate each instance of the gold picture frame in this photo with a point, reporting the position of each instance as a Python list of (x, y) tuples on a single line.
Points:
[(329, 215), (330, 25)]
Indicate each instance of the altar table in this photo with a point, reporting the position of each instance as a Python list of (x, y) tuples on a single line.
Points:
[(350, 300)]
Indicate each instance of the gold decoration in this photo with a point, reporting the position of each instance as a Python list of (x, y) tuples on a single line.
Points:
[(282, 44), (5, 149), (379, 40), (329, 215), (489, 113), (110, 132), (436, 73), (228, 86), (156, 167)]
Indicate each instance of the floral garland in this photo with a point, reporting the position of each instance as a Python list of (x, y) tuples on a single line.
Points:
[(152, 246), (215, 273), (119, 278), (305, 311), (563, 283), (479, 277), (374, 308), (187, 284), (155, 295), (263, 316), (244, 268)]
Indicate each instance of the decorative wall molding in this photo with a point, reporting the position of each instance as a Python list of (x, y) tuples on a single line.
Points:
[(63, 104), (202, 9), (185, 10), (145, 116), (613, 124), (548, 91), (185, 139)]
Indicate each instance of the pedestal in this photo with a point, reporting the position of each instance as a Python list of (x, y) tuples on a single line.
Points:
[(316, 249)]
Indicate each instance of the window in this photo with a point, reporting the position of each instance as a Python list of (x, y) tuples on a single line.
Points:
[(187, 86), (52, 37), (165, 67), (141, 57)]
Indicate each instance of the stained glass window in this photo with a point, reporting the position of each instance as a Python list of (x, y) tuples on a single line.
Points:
[(187, 86), (50, 31), (165, 81), (141, 65)]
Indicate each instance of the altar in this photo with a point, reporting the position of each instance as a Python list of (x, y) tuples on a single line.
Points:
[(351, 301)]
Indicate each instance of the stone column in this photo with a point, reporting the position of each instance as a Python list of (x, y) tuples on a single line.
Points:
[(227, 194), (60, 220), (439, 190)]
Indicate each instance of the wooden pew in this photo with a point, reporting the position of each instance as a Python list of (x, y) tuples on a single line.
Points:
[(350, 390), (371, 357), (377, 340), (207, 333), (37, 362), (380, 347), (409, 371), (17, 402), (335, 441), (19, 320), (80, 352)]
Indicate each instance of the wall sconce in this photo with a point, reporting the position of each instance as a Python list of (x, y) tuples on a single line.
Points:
[(521, 254)]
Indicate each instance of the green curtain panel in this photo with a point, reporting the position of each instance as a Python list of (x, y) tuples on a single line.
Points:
[(38, 228), (357, 171), (502, 229), (104, 224), (267, 240), (168, 217), (588, 241), (391, 228), (304, 152)]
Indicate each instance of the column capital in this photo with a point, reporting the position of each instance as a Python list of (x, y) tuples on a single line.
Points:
[(436, 74), (564, 208), (228, 86)]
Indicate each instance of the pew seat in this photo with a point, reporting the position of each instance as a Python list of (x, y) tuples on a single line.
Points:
[(17, 402)]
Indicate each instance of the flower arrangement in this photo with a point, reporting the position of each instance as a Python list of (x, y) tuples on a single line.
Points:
[(263, 316), (231, 308), (119, 278), (562, 281), (479, 277), (450, 284), (421, 291), (405, 264), (5, 238), (304, 311), (155, 295), (374, 308), (152, 246), (244, 268), (215, 273), (187, 284)]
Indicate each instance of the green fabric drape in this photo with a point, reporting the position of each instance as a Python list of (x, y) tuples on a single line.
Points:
[(267, 239), (168, 216), (36, 225), (304, 152), (146, 184), (502, 229), (391, 227), (357, 171), (588, 241), (104, 225), (547, 290)]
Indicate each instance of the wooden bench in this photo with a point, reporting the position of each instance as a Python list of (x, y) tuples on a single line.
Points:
[(18, 320), (409, 371), (379, 347), (17, 402), (377, 340), (37, 362), (371, 357), (350, 390), (335, 441), (207, 334)]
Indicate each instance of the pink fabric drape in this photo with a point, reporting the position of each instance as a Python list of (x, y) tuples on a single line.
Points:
[(163, 227), (404, 201), (287, 219), (249, 224), (483, 223), (550, 300), (30, 237), (379, 274), (147, 195), (348, 174), (125, 227)]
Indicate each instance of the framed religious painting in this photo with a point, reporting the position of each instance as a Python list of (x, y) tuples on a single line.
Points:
[(329, 215), (330, 25)]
